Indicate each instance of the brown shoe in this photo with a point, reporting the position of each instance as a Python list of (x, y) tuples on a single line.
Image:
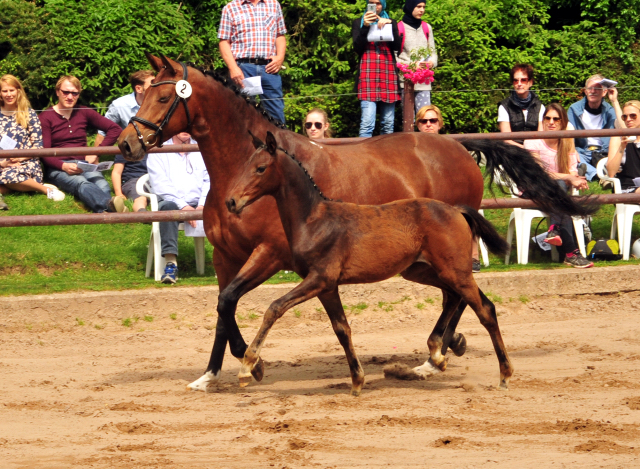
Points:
[(116, 204)]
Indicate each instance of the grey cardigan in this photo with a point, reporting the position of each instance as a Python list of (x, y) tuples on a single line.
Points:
[(414, 39)]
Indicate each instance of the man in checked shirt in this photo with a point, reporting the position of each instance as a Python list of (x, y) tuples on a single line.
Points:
[(252, 43)]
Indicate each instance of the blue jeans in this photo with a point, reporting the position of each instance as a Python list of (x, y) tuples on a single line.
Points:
[(168, 230), (271, 97), (368, 119), (585, 157), (91, 188)]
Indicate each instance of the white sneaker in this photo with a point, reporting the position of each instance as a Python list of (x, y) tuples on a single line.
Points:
[(54, 193)]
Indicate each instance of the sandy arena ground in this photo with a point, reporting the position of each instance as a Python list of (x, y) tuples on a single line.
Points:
[(81, 390)]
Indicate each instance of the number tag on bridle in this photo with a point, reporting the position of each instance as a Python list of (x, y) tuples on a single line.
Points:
[(183, 89)]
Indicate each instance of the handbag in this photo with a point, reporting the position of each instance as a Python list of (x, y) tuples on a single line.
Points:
[(380, 35)]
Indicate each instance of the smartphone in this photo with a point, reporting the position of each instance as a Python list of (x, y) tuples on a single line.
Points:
[(371, 7)]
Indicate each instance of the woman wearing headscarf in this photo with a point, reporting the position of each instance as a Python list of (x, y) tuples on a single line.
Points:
[(417, 34), (377, 82)]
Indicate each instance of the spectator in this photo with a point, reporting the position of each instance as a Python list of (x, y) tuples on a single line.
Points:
[(20, 123), (429, 119), (181, 182), (591, 113), (624, 152), (377, 82), (253, 43), (522, 110), (125, 174), (560, 159), (317, 125), (65, 125), (417, 34)]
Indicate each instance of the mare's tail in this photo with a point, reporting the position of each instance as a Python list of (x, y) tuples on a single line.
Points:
[(516, 164), (481, 228)]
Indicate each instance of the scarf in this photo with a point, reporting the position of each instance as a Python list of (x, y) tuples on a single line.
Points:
[(383, 13), (408, 17), (520, 102), (590, 110)]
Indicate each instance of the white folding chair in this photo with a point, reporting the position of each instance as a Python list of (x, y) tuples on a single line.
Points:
[(154, 253), (623, 216)]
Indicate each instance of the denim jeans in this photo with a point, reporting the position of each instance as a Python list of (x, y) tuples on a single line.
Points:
[(168, 230), (368, 119), (271, 97), (565, 227), (90, 187), (585, 157)]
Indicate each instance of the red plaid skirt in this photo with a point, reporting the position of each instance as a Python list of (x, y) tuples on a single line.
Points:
[(378, 79)]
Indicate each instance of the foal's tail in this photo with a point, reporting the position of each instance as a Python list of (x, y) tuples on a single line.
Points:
[(512, 163), (481, 228)]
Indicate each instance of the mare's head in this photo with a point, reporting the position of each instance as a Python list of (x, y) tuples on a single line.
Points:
[(259, 177), (167, 109)]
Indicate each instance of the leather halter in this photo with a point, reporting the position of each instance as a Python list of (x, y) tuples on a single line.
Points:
[(157, 135)]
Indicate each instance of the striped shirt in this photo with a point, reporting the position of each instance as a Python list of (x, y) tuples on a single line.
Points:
[(252, 29)]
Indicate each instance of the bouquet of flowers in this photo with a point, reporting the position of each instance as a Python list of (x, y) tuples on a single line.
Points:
[(413, 72)]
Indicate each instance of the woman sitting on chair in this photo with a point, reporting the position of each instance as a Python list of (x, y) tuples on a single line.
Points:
[(559, 157), (624, 153)]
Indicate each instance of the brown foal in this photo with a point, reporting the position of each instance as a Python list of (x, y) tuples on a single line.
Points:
[(335, 243)]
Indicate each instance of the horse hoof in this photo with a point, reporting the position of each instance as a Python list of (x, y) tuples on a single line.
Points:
[(504, 386), (356, 392), (244, 381), (258, 370), (202, 383), (458, 344)]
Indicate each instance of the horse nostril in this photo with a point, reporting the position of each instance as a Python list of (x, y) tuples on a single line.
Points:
[(231, 205)]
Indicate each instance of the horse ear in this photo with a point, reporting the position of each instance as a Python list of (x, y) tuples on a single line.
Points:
[(272, 146), (167, 64), (154, 61), (257, 143)]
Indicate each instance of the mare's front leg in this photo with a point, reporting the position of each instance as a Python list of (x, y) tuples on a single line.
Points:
[(310, 287), (333, 305), (261, 265)]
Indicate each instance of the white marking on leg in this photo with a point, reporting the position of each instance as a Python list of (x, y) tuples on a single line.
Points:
[(427, 369), (207, 379)]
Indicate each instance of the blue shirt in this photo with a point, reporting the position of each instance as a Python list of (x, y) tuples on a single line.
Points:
[(121, 110)]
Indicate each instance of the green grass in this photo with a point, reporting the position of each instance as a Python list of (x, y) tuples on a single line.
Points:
[(52, 259)]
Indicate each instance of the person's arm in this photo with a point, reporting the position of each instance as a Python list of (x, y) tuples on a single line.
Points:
[(204, 188), (616, 151), (359, 35), (396, 45), (99, 140), (505, 125), (116, 178), (47, 131), (276, 60), (612, 94), (235, 73), (433, 58)]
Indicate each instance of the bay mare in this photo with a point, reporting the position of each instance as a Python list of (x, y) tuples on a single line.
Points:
[(250, 248), (338, 243)]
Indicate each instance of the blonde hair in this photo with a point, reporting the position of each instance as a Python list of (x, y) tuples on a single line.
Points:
[(429, 107), (73, 80), (22, 116), (565, 145), (327, 133)]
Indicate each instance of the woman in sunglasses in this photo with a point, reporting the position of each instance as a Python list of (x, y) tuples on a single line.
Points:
[(522, 110), (65, 125), (624, 152), (560, 158), (429, 119), (316, 124)]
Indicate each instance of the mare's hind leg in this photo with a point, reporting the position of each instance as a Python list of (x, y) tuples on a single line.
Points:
[(333, 305), (310, 287)]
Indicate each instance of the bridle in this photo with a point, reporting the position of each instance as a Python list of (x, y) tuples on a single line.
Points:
[(157, 135)]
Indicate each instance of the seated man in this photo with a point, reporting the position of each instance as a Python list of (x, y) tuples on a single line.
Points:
[(65, 125), (590, 113), (125, 173), (181, 182)]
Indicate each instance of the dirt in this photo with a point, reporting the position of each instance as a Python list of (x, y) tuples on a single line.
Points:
[(77, 395)]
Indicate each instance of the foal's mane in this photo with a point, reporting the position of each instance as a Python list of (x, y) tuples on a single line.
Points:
[(248, 100), (313, 183)]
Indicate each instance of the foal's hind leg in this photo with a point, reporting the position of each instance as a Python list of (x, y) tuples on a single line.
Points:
[(333, 305)]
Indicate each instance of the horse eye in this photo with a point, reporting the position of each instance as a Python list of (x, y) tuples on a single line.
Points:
[(261, 169), (164, 99)]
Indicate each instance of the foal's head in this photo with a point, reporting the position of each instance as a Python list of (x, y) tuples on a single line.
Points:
[(259, 177)]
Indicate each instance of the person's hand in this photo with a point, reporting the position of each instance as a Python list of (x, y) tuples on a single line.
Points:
[(422, 65), (8, 163), (71, 168), (237, 76), (369, 17), (382, 22), (189, 208), (623, 143), (92, 159), (274, 66), (612, 94), (579, 182)]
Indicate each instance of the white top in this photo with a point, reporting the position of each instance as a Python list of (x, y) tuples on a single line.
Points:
[(180, 179), (591, 122), (503, 115)]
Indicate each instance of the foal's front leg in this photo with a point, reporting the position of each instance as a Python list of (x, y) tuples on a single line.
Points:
[(310, 287)]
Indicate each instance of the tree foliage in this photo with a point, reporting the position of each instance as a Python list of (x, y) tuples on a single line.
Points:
[(478, 41)]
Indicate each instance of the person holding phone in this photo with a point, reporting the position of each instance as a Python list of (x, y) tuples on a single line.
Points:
[(377, 83), (624, 152)]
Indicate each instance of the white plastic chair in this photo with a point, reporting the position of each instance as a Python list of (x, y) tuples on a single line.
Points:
[(483, 248), (520, 222), (623, 216), (154, 253)]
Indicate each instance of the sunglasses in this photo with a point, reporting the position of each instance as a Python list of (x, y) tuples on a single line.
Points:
[(520, 80), (552, 119), (308, 125), (629, 116), (430, 121), (72, 93)]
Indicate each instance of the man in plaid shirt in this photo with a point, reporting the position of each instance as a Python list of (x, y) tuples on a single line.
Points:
[(252, 43)]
